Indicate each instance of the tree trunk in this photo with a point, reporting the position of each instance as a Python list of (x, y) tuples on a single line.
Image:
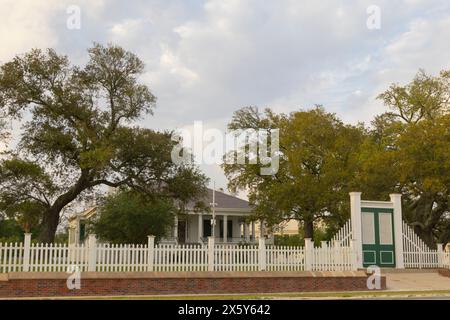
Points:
[(308, 229), (49, 226)]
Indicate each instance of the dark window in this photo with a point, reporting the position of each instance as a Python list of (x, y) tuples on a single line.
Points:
[(206, 228), (82, 231), (229, 228)]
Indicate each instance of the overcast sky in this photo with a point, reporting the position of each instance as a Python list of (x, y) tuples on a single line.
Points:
[(206, 59)]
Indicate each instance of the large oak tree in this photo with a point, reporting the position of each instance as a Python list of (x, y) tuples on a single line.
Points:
[(77, 134), (316, 167)]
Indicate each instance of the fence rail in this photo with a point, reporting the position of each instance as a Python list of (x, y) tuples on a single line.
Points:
[(26, 257)]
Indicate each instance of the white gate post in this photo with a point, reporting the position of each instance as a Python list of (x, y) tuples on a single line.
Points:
[(355, 216), (262, 254), (92, 243), (440, 254), (210, 253), (26, 252), (353, 254), (309, 246), (150, 252), (396, 200)]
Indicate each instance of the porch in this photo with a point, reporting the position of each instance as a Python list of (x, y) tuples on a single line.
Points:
[(229, 228)]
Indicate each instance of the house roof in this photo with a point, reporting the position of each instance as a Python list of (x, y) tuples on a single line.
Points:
[(223, 201)]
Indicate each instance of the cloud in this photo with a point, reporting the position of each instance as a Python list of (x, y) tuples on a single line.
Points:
[(206, 59)]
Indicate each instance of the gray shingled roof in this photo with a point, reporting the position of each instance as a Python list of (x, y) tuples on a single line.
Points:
[(224, 201)]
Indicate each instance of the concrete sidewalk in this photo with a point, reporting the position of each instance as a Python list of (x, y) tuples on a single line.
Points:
[(416, 281)]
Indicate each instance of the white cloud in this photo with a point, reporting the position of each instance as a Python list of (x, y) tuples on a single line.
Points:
[(206, 59)]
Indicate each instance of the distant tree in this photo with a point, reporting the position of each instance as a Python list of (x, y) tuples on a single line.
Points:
[(79, 134), (130, 216)]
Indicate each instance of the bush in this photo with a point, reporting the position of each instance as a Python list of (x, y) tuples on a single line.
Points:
[(129, 217)]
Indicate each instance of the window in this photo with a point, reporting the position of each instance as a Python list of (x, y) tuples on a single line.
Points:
[(229, 228), (82, 231), (206, 228)]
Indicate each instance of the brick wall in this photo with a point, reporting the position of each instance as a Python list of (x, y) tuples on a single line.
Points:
[(95, 284), (444, 272)]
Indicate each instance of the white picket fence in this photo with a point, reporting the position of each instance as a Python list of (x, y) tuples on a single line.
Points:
[(344, 235), (26, 257), (416, 253)]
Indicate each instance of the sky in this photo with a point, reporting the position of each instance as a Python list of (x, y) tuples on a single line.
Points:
[(206, 59)]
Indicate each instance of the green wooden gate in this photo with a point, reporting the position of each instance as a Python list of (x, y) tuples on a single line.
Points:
[(378, 237)]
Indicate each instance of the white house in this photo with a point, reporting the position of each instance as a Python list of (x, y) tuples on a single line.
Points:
[(231, 222)]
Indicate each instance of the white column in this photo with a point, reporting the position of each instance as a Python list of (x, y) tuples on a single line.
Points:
[(261, 228), (246, 232), (175, 228), (92, 242), (355, 214), (253, 231), (150, 252), (225, 228), (26, 252), (200, 228), (396, 200), (71, 239), (77, 232)]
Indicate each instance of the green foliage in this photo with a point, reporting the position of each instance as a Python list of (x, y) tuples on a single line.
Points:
[(408, 151), (80, 135), (316, 171), (129, 217), (10, 231), (293, 240)]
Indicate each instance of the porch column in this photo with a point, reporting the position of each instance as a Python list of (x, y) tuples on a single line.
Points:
[(253, 231), (396, 200), (71, 236), (200, 227), (175, 228), (261, 229), (246, 233), (225, 228)]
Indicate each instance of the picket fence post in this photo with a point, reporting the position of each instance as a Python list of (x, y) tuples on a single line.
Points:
[(92, 257), (210, 253), (440, 254), (309, 247), (26, 252), (262, 254), (150, 252), (337, 257)]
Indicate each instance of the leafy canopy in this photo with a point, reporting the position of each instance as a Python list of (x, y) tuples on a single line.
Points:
[(78, 134)]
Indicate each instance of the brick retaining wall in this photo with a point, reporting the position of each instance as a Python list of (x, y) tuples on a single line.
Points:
[(149, 283), (444, 272)]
